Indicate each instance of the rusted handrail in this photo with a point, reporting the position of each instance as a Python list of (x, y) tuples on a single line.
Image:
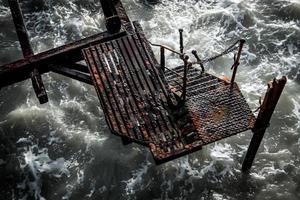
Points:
[(184, 80), (165, 47), (182, 57), (237, 61)]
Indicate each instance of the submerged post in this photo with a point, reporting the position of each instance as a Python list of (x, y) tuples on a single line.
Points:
[(272, 96), (237, 61), (36, 78)]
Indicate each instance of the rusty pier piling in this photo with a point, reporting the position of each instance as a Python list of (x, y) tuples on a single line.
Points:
[(267, 108)]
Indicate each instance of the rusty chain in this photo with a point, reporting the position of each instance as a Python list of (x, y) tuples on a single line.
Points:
[(227, 51)]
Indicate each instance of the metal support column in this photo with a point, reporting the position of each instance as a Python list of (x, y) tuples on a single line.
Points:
[(36, 78), (272, 96), (112, 20)]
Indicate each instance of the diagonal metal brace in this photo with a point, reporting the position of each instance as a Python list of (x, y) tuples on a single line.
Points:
[(194, 52)]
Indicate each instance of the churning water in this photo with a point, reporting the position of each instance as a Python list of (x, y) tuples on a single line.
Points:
[(65, 148)]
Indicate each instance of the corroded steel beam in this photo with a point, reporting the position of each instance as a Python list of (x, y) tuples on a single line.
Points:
[(112, 20), (20, 28), (24, 41), (71, 53), (267, 108), (20, 70), (71, 72)]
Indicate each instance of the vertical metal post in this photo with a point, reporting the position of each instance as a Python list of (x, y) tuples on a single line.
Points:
[(194, 52), (36, 78), (272, 96), (237, 61), (20, 28), (181, 40), (186, 66), (112, 20), (162, 58)]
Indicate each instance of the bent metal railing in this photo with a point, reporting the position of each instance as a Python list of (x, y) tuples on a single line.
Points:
[(188, 64)]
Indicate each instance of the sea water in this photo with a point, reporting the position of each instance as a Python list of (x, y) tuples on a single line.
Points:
[(65, 148)]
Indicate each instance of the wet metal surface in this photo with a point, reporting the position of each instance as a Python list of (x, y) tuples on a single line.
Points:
[(217, 109), (134, 95)]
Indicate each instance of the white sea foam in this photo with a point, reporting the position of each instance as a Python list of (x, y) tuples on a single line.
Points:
[(136, 182), (39, 162), (209, 27)]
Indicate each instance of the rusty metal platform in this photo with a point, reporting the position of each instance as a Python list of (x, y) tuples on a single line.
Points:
[(217, 108), (135, 97), (171, 111)]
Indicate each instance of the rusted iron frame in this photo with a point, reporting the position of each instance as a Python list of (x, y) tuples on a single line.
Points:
[(237, 61), (167, 123), (153, 62), (267, 108), (20, 70), (78, 67), (24, 41), (179, 84), (165, 47), (162, 56), (138, 80), (70, 72), (20, 28), (112, 19), (187, 65)]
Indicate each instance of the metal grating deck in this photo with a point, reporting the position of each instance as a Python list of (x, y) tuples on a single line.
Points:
[(217, 109)]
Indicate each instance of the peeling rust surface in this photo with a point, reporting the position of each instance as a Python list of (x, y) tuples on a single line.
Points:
[(134, 95), (217, 109)]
